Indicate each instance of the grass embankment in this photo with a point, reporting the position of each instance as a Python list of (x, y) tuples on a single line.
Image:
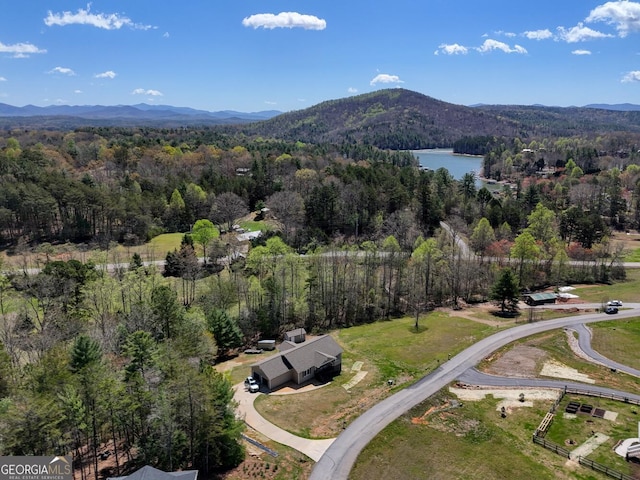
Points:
[(618, 341)]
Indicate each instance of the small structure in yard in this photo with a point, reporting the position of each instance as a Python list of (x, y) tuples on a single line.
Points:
[(630, 448), (298, 335), (266, 344), (299, 363), (539, 298)]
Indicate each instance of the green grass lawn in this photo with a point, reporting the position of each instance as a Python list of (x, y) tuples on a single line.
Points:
[(627, 291), (618, 341), (398, 349), (466, 443), (632, 256), (253, 226), (579, 428)]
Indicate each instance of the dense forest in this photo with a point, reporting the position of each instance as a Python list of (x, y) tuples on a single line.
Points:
[(93, 357)]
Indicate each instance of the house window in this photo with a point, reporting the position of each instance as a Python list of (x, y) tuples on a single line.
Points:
[(306, 373)]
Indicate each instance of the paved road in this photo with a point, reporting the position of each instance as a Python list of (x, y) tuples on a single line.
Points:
[(584, 340), (339, 458), (474, 377)]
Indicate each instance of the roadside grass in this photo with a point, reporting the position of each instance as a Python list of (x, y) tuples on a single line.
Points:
[(632, 256), (399, 350), (467, 443), (578, 428), (618, 341)]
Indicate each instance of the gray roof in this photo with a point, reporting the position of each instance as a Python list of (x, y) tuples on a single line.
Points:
[(313, 353), (287, 345), (296, 332), (273, 367), (149, 473)]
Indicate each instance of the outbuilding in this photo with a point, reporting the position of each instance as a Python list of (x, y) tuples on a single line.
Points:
[(539, 298), (298, 335)]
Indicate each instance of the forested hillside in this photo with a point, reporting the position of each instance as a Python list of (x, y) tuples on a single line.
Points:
[(403, 119)]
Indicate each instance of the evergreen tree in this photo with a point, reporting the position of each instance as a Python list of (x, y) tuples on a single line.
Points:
[(506, 292)]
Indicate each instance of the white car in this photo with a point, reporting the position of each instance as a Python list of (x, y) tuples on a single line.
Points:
[(251, 384), (614, 303)]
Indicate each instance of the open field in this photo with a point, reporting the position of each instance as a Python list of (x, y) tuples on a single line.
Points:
[(469, 442), (627, 291), (630, 244), (618, 341)]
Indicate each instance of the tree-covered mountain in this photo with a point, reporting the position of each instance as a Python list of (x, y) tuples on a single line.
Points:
[(390, 118)]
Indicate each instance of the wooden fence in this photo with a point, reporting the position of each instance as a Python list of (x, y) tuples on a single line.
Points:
[(554, 447)]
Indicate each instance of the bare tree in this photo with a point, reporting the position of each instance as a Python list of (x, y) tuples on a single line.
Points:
[(227, 207)]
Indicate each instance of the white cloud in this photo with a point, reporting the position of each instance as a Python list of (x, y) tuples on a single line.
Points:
[(165, 34), (62, 71), (451, 49), (581, 52), (631, 77), (385, 78), (580, 33), (625, 15), (108, 74), (107, 21), (142, 91), (20, 50), (352, 90), (270, 103), (78, 91), (2, 79), (538, 34), (490, 45), (285, 20)]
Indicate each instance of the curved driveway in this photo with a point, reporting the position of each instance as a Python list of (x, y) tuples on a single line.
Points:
[(339, 458)]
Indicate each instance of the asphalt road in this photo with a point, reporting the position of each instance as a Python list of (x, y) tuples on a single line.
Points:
[(340, 457)]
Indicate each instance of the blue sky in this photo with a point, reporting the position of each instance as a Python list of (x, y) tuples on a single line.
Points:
[(252, 55)]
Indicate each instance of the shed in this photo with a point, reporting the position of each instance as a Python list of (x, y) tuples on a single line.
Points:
[(298, 335), (539, 298), (267, 344)]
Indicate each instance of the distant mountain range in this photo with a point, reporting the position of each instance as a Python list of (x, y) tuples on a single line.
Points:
[(140, 111), (619, 107)]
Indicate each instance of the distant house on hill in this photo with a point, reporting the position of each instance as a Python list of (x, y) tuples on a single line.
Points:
[(149, 473), (298, 335), (298, 363)]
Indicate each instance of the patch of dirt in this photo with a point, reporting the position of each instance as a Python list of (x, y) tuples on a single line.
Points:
[(553, 368), (519, 361)]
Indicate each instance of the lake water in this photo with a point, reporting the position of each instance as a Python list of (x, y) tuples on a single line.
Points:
[(457, 165)]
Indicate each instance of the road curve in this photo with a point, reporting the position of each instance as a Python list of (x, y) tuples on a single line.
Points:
[(340, 457), (584, 341)]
